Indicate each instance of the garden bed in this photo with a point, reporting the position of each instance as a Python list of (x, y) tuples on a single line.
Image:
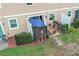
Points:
[(70, 37), (23, 38)]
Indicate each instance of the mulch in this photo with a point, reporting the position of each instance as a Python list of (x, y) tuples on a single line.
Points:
[(12, 43)]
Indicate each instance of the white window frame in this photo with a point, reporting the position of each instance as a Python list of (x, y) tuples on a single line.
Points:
[(75, 10), (2, 27), (49, 16), (71, 13), (16, 22)]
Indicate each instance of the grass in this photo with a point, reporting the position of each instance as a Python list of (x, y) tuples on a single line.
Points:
[(70, 37), (42, 49), (23, 51)]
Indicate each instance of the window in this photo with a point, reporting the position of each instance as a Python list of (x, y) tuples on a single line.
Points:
[(28, 3), (77, 13), (51, 16), (13, 23), (69, 13), (36, 17)]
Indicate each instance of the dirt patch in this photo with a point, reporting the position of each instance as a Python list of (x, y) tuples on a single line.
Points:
[(71, 49), (71, 46)]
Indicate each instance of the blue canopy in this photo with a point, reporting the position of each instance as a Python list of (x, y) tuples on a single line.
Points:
[(36, 22), (65, 19)]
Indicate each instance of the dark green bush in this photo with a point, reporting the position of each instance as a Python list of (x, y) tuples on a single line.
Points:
[(23, 38), (64, 28), (71, 29), (75, 23)]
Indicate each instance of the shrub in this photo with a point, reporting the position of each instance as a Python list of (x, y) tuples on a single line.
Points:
[(50, 41), (23, 38), (71, 29), (64, 28), (75, 23)]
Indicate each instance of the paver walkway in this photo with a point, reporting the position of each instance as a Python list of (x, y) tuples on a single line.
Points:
[(3, 45), (12, 43)]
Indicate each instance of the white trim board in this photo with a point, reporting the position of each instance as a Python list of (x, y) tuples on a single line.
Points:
[(2, 28), (40, 12)]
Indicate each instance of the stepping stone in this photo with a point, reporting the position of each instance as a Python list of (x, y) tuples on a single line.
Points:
[(57, 41)]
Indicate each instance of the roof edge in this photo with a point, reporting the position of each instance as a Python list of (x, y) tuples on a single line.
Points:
[(38, 12)]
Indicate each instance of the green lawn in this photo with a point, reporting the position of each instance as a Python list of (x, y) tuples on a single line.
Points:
[(40, 50), (70, 37), (23, 51)]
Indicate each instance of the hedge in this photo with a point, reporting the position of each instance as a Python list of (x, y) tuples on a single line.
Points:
[(64, 28), (23, 38), (75, 23)]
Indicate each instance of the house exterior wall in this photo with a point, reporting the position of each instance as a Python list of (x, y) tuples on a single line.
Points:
[(68, 5), (22, 26), (57, 16), (20, 8), (22, 19), (66, 11)]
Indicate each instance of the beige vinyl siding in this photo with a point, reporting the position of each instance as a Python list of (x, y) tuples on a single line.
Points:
[(73, 12), (14, 9), (22, 21), (22, 26), (21, 8), (57, 16), (68, 5)]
